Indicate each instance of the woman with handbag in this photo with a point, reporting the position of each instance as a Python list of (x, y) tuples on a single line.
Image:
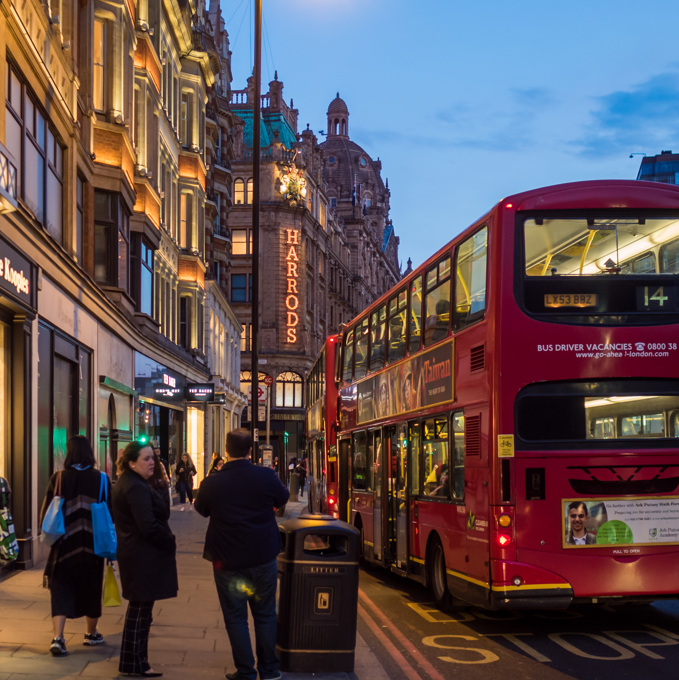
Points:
[(186, 471), (74, 574), (146, 554)]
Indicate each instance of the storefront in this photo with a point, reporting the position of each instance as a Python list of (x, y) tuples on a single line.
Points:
[(198, 397), (160, 413), (18, 308)]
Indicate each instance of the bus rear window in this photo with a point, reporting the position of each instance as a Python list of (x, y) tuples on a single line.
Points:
[(621, 269), (577, 415)]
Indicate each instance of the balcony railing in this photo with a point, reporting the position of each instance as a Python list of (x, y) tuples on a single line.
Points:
[(222, 231)]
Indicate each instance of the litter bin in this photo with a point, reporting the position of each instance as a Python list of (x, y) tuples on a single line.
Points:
[(317, 608)]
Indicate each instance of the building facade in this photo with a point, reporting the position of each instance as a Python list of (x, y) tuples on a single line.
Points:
[(321, 260), (112, 324)]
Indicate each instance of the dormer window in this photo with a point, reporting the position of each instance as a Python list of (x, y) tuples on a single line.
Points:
[(362, 162), (332, 160)]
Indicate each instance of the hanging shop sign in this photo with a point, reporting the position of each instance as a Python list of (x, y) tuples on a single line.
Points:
[(155, 381), (291, 269), (200, 392), (17, 274)]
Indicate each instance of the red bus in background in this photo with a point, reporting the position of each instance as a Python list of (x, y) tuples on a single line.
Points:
[(509, 413), (321, 431)]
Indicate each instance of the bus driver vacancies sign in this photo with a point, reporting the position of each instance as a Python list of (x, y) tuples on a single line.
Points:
[(419, 382), (620, 521)]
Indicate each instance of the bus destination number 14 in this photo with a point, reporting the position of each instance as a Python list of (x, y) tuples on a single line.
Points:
[(656, 299)]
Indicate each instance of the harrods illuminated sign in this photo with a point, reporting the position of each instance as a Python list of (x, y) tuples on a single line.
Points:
[(292, 279)]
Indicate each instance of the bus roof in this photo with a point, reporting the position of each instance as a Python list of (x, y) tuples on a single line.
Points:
[(605, 194)]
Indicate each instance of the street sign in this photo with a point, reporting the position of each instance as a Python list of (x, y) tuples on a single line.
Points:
[(261, 394), (268, 381), (261, 412)]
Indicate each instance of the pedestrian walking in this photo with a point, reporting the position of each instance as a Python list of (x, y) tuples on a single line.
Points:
[(74, 574), (146, 554), (301, 473), (186, 471), (242, 543)]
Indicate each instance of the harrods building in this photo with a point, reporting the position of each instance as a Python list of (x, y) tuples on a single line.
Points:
[(327, 246)]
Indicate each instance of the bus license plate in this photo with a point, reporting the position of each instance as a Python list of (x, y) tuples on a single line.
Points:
[(571, 300)]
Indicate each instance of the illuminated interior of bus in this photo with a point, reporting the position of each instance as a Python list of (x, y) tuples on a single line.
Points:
[(585, 247)]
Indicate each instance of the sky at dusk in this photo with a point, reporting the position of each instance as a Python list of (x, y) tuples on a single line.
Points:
[(466, 103)]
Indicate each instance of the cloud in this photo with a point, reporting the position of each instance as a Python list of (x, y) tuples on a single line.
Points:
[(533, 96), (509, 126), (643, 118)]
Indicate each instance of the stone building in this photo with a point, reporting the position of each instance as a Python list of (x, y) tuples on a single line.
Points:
[(109, 326), (322, 260)]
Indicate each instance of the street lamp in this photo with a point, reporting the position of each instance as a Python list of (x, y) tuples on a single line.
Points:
[(637, 153), (256, 150)]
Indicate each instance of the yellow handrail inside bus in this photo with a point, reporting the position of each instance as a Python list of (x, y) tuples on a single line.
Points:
[(585, 251), (547, 261), (464, 287)]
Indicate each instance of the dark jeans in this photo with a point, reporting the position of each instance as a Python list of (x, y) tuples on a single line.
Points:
[(256, 586), (185, 491)]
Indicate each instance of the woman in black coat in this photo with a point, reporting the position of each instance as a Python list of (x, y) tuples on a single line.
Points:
[(186, 471), (74, 574), (146, 554)]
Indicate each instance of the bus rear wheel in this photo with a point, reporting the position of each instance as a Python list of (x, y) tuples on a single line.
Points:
[(437, 577)]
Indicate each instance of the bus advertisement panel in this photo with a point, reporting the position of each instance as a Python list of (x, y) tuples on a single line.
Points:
[(425, 380)]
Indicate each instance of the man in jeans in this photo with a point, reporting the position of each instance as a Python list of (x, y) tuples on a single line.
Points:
[(242, 543)]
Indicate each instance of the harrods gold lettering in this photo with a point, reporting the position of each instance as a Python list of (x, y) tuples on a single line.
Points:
[(292, 274)]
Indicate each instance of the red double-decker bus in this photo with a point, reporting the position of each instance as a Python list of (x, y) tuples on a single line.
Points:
[(509, 413), (321, 431)]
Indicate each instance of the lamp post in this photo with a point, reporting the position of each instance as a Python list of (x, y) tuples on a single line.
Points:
[(256, 147)]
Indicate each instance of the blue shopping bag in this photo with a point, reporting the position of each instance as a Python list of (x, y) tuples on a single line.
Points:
[(53, 524), (104, 533)]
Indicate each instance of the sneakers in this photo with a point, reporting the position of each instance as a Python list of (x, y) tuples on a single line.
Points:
[(58, 647), (181, 509), (234, 676), (278, 675), (95, 638)]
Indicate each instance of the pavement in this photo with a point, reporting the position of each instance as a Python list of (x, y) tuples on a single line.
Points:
[(187, 642)]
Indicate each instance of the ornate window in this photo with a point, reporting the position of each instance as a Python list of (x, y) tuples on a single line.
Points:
[(239, 191), (246, 380), (289, 390), (250, 191)]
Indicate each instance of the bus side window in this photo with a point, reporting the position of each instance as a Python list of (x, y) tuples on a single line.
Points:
[(414, 450), (370, 459), (348, 365), (437, 303), (674, 424), (397, 326), (470, 279), (457, 422), (415, 329), (362, 334), (377, 331), (436, 459), (359, 462)]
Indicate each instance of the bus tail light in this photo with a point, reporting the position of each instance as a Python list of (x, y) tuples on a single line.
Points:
[(331, 501), (503, 540)]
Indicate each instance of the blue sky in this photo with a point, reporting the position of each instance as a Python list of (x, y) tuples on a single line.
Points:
[(466, 103)]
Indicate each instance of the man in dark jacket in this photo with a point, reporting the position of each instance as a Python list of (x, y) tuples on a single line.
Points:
[(242, 542)]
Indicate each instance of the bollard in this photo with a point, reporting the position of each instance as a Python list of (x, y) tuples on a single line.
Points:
[(294, 486)]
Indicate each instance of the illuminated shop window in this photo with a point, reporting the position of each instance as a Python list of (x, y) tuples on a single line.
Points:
[(289, 390)]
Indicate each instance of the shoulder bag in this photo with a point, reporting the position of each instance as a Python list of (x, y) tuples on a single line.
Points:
[(103, 531), (53, 524)]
